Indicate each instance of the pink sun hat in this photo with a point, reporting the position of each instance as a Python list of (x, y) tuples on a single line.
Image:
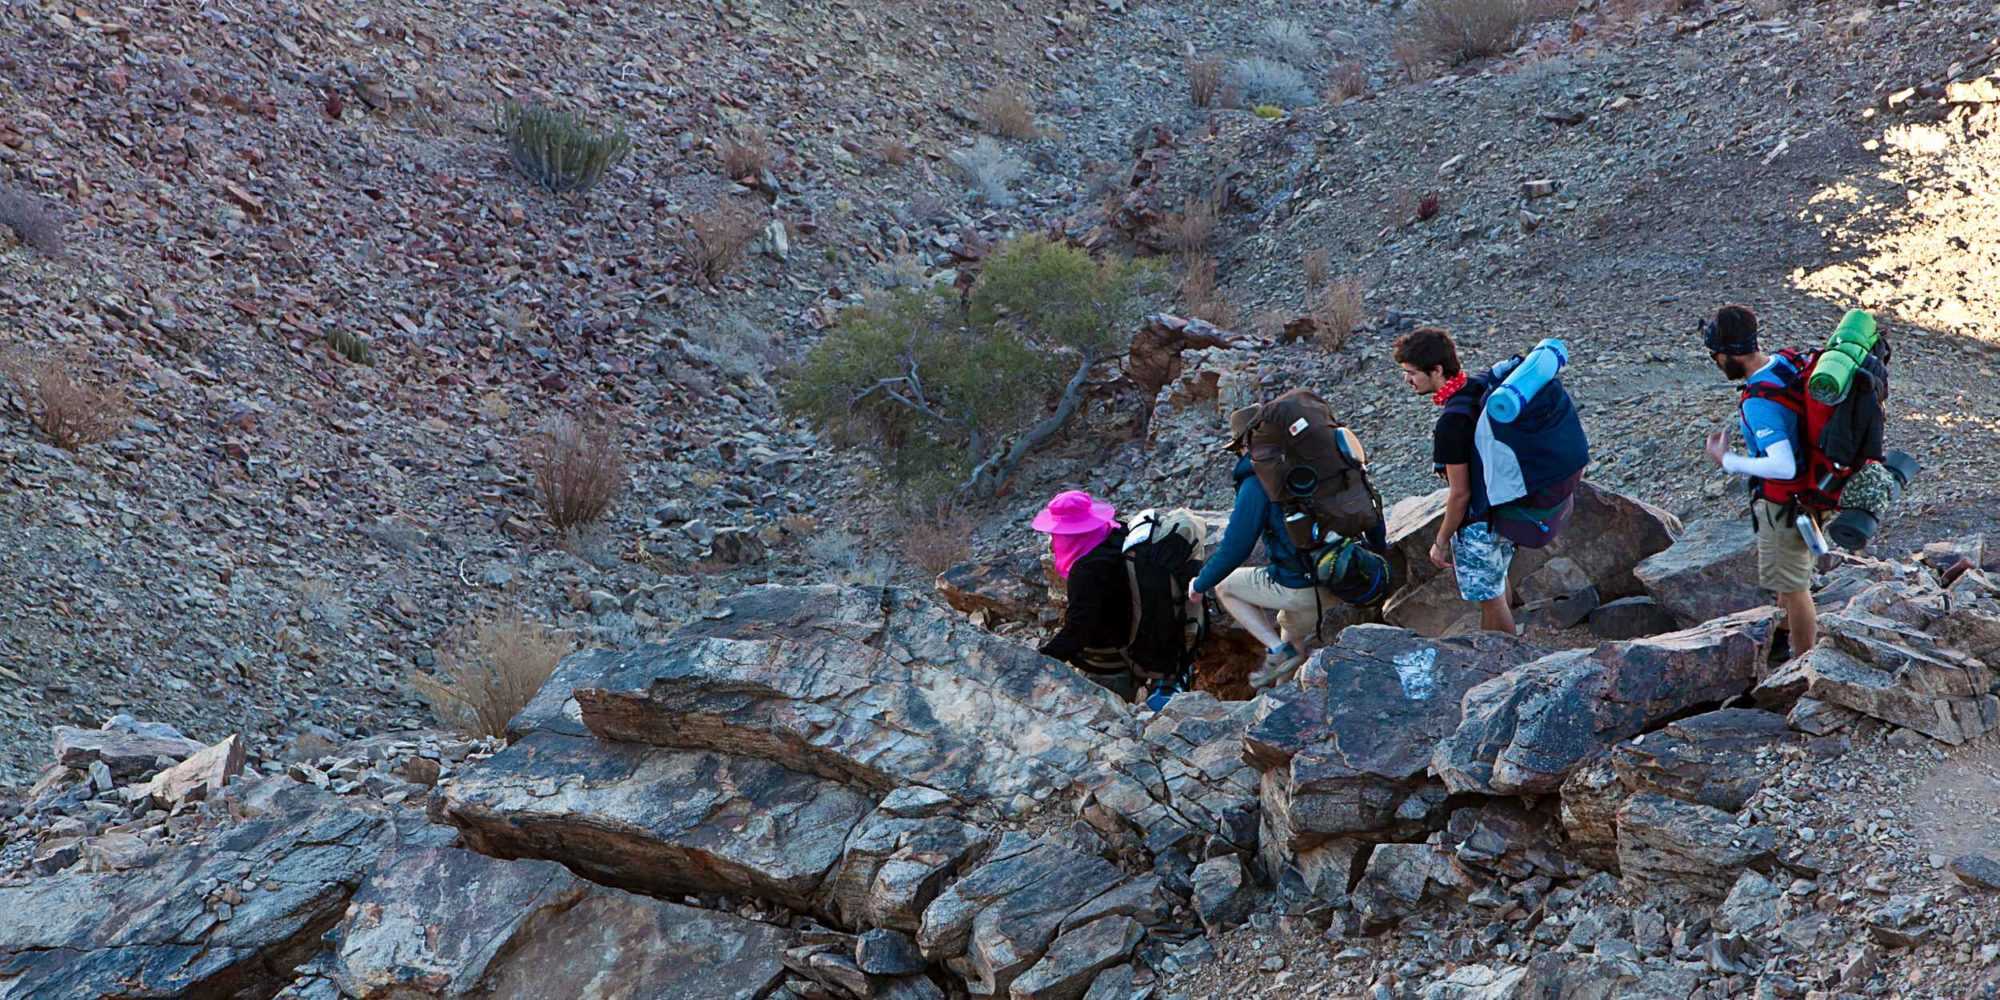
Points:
[(1074, 512)]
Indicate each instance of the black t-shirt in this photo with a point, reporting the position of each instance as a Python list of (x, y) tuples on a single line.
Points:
[(1451, 441)]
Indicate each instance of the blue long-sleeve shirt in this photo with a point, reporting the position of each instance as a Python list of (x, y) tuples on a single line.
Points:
[(1255, 515)]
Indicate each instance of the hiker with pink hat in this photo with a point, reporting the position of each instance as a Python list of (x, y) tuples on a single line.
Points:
[(1088, 545)]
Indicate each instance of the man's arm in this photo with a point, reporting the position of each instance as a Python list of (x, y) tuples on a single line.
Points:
[(1460, 479), (1246, 522)]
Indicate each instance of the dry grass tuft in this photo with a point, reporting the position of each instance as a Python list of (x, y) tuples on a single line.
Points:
[(745, 155), (1195, 226), (1204, 80), (1350, 80), (1337, 310), (1459, 30), (1005, 113), (720, 236), (937, 539), (894, 152), (70, 411), (488, 680), (578, 472), (1199, 295)]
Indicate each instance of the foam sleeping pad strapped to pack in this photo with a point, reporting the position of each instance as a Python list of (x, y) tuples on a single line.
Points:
[(1528, 467)]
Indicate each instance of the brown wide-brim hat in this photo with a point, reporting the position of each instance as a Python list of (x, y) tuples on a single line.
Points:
[(1239, 426)]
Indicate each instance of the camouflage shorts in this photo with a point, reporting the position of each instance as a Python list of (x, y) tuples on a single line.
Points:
[(1480, 556)]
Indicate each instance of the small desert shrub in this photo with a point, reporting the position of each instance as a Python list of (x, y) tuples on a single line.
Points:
[(71, 412), (1458, 30), (1195, 226), (1204, 80), (489, 679), (1200, 298), (1288, 41), (1337, 311), (558, 151), (578, 472), (937, 538), (349, 345), (987, 170), (32, 222), (720, 236), (1005, 113), (745, 155), (1261, 81), (939, 387), (1350, 79), (1268, 111)]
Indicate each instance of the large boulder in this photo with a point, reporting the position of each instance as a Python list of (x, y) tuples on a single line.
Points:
[(1609, 534), (446, 922), (129, 748), (658, 820), (1893, 672), (1000, 919), (1345, 749), (1710, 571), (1711, 759), (1526, 730), (897, 860), (1670, 847), (1014, 589), (875, 688), (230, 916)]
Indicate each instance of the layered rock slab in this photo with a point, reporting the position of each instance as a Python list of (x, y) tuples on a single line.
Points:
[(1608, 535), (1525, 731), (1344, 750), (873, 688), (445, 922), (170, 930), (998, 921), (659, 820)]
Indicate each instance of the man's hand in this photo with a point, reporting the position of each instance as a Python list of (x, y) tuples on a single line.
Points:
[(1193, 595), (1717, 446), (1440, 555)]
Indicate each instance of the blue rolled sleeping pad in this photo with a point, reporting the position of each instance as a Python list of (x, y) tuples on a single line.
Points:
[(1527, 378)]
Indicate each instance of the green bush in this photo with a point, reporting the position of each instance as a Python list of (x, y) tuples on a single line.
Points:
[(1268, 111), (560, 152), (349, 345), (956, 398)]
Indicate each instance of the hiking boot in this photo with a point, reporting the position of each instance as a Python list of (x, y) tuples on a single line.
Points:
[(1279, 665)]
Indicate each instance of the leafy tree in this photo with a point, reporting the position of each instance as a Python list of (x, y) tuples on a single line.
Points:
[(957, 398)]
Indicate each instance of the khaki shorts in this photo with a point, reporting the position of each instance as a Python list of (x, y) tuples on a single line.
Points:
[(1297, 607), (1784, 564)]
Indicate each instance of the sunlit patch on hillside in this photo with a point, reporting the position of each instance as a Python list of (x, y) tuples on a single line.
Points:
[(1923, 248)]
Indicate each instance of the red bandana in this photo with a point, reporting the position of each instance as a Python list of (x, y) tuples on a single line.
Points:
[(1449, 389)]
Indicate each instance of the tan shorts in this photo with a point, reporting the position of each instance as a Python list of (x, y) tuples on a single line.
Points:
[(1784, 564), (1298, 609)]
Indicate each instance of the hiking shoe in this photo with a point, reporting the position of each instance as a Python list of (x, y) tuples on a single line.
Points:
[(1279, 665)]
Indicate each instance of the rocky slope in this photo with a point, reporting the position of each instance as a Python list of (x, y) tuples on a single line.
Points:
[(856, 793)]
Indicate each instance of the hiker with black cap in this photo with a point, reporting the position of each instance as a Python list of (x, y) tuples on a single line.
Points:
[(1297, 531), (1775, 439)]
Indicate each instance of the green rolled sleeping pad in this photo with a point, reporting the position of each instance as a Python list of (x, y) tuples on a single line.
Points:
[(1833, 375)]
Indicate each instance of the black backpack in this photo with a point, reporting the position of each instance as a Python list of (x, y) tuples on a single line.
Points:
[(1162, 556)]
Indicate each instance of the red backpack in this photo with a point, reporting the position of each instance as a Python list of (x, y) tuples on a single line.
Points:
[(1835, 439)]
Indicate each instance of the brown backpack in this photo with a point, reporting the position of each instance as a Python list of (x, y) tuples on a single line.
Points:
[(1314, 470)]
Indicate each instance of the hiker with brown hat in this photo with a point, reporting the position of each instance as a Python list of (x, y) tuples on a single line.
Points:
[(1279, 446)]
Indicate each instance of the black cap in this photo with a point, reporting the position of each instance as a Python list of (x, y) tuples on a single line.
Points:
[(1732, 331)]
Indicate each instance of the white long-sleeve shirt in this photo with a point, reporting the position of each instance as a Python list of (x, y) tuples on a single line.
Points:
[(1776, 464)]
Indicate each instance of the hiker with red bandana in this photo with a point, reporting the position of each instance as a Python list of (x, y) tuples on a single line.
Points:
[(1466, 543)]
